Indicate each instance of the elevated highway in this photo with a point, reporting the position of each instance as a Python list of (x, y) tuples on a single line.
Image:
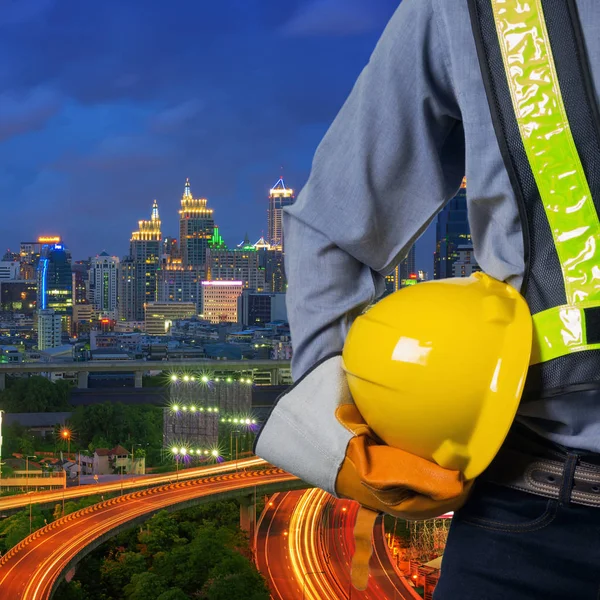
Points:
[(18, 501), (33, 568), (139, 367)]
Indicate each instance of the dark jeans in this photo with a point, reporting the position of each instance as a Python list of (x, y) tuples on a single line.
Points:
[(505, 544)]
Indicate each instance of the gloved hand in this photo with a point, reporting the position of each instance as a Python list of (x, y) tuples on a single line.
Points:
[(316, 433)]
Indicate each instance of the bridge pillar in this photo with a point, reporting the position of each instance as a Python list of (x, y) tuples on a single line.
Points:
[(248, 516), (82, 380), (2, 381), (138, 379)]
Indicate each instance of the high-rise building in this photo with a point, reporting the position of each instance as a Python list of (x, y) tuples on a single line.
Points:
[(127, 289), (145, 251), (104, 285), (30, 254), (236, 264), (196, 227), (220, 301), (452, 231), (257, 309), (465, 264), (9, 270), (177, 283), (407, 267), (18, 296), (279, 197), (271, 261), (160, 315), (49, 327), (55, 282)]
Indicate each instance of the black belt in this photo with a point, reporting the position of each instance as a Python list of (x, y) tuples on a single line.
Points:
[(567, 478)]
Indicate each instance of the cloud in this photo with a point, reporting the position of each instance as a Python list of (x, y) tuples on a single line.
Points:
[(336, 17), (24, 112), (16, 12), (175, 118), (117, 153)]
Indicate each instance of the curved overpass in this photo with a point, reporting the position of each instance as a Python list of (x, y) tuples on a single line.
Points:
[(33, 568), (17, 501)]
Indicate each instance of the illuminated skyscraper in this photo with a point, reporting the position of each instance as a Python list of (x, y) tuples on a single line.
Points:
[(271, 261), (104, 285), (452, 231), (279, 198), (196, 227), (236, 264), (138, 282), (55, 283), (49, 329)]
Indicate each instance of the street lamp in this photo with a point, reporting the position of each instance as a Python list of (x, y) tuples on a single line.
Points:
[(304, 579), (27, 471)]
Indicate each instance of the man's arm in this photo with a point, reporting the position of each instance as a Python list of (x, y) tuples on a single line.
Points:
[(392, 158)]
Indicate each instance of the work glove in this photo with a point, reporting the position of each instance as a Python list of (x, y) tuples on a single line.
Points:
[(316, 432)]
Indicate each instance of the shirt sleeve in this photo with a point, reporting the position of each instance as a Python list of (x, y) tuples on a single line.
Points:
[(390, 161)]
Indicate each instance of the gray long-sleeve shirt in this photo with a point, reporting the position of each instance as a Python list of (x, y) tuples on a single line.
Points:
[(416, 121)]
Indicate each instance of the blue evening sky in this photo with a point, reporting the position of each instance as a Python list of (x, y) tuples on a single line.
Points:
[(107, 105)]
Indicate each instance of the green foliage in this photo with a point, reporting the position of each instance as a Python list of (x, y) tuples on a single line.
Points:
[(173, 594), (15, 528), (116, 572), (145, 586), (196, 553), (235, 577), (36, 394), (108, 424)]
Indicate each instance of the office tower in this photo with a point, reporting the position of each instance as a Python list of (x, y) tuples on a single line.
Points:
[(452, 231), (9, 270), (103, 283), (219, 301), (177, 283), (30, 252), (259, 308), (127, 288), (161, 315), (407, 267), (465, 263), (49, 329), (145, 250), (279, 198), (18, 296), (55, 283), (272, 262), (236, 264), (196, 227)]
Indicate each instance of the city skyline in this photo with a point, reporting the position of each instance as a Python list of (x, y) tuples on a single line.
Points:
[(93, 131)]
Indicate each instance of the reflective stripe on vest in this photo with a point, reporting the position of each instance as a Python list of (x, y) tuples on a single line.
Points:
[(534, 121)]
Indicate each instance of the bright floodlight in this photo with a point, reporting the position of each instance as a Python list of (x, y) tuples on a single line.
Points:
[(247, 421), (182, 451), (215, 453), (175, 407), (185, 408), (206, 452), (186, 378), (173, 377), (198, 451), (253, 422), (174, 450), (229, 380), (216, 409), (217, 380), (193, 409), (204, 379)]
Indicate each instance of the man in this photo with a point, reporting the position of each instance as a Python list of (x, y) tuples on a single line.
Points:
[(502, 91)]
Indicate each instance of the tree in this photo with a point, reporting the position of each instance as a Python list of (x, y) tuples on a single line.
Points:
[(145, 586), (161, 533), (117, 572), (173, 594), (236, 578)]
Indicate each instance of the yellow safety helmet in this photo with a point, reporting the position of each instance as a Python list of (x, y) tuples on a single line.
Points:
[(438, 369)]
